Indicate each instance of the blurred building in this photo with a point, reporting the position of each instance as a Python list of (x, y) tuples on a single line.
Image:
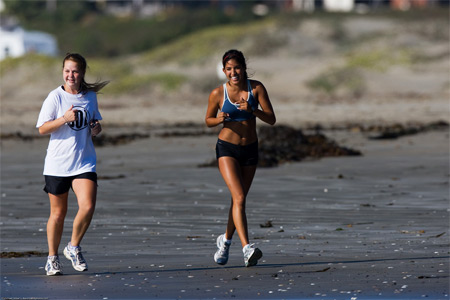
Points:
[(15, 42), (360, 5), (148, 8), (144, 8), (408, 4), (124, 8)]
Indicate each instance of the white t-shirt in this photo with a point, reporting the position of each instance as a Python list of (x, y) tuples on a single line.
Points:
[(70, 151)]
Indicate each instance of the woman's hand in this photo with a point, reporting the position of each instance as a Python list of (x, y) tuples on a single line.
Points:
[(213, 116), (70, 115), (222, 117), (51, 126), (242, 105), (96, 128)]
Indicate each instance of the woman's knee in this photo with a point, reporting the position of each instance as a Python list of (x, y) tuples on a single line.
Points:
[(58, 216), (87, 209), (239, 201)]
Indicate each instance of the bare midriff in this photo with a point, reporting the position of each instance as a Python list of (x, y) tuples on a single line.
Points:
[(239, 133)]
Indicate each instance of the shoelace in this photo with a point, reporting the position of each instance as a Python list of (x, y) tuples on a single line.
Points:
[(249, 248), (55, 264), (224, 249), (79, 257)]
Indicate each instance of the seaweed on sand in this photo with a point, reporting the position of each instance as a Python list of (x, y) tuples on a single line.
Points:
[(282, 144)]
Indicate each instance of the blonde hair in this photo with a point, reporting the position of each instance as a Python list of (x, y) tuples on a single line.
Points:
[(82, 64)]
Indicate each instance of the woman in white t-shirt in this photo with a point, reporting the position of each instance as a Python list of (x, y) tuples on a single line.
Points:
[(70, 115)]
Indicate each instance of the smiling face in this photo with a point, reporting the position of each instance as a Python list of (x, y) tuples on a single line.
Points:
[(234, 71), (72, 76)]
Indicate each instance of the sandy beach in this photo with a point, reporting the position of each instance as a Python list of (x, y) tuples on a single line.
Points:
[(374, 226), (368, 227)]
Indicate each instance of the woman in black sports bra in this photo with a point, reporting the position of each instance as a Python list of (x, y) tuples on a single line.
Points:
[(236, 105)]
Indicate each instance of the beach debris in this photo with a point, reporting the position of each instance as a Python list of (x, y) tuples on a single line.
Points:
[(280, 144), (398, 130), (105, 139), (367, 205), (438, 236), (14, 254), (20, 136), (186, 133), (412, 232), (323, 270), (268, 224), (110, 177)]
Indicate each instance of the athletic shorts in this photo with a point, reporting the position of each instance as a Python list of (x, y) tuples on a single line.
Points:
[(246, 155), (59, 185)]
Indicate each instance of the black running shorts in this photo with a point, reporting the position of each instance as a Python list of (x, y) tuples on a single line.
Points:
[(59, 185), (246, 155)]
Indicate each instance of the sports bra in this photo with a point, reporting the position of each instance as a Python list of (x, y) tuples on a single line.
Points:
[(234, 114)]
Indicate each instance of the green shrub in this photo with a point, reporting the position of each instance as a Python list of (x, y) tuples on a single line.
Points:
[(134, 83), (34, 60), (337, 81)]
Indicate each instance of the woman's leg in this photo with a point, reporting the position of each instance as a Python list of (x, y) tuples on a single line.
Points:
[(247, 173), (86, 193), (55, 224), (238, 180)]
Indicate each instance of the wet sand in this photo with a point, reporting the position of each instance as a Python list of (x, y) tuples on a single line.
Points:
[(374, 226)]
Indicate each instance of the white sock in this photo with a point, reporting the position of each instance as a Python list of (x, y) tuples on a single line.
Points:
[(72, 247)]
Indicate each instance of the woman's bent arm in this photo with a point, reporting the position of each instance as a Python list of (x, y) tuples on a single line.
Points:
[(267, 114), (51, 126), (213, 119)]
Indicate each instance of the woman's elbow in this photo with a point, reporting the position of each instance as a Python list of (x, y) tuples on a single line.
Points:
[(43, 131), (272, 120), (209, 123)]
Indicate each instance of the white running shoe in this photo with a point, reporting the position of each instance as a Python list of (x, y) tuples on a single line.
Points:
[(251, 255), (76, 258), (53, 266), (221, 255)]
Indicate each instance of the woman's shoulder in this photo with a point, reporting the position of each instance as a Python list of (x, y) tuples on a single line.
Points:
[(217, 92), (56, 93), (57, 90), (90, 94), (255, 83)]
